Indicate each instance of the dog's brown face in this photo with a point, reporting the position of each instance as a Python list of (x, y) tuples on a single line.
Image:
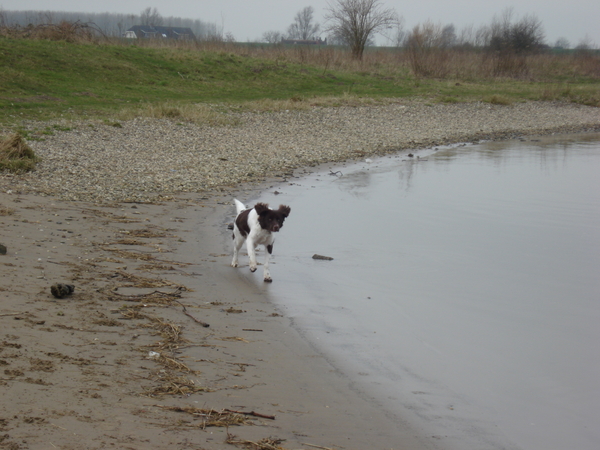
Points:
[(271, 219)]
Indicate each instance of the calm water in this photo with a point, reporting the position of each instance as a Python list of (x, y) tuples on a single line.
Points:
[(464, 295)]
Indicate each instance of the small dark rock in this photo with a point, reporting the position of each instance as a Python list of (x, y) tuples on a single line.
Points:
[(2, 249), (60, 290), (325, 258)]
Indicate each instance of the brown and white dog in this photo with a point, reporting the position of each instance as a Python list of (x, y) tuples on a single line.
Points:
[(257, 226)]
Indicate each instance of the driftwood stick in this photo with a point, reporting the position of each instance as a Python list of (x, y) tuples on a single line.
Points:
[(204, 324), (176, 293), (251, 413)]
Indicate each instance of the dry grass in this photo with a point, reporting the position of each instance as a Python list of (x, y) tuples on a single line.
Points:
[(175, 385), (299, 103), (170, 337), (130, 241), (264, 444), (437, 62), (137, 281), (575, 94), (199, 113), (210, 417), (499, 100), (16, 156), (6, 211)]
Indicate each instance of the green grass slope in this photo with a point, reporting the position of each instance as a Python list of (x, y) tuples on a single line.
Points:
[(42, 79)]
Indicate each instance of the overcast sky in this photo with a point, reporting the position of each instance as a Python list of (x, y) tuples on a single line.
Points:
[(247, 20)]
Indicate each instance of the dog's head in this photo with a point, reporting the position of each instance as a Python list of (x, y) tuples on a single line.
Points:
[(271, 219)]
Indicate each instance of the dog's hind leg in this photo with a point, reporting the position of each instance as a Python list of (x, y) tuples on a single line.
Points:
[(238, 241)]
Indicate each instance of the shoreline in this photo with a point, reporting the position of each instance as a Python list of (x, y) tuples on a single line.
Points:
[(149, 160), (78, 371)]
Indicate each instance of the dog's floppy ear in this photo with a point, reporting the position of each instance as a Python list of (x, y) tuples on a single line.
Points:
[(285, 210), (261, 208)]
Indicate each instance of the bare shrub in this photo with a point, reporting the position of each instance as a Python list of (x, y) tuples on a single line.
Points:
[(427, 48), (510, 42), (587, 63)]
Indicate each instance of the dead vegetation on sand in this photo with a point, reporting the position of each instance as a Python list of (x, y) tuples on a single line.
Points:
[(16, 155)]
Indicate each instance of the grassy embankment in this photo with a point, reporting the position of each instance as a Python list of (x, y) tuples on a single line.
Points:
[(44, 79)]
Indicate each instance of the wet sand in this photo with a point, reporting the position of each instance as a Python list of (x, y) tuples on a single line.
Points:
[(78, 372)]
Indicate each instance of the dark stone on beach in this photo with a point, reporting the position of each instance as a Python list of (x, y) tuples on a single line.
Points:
[(2, 250), (325, 258), (60, 290)]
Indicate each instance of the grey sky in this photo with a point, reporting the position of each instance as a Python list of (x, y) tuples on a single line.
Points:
[(249, 19)]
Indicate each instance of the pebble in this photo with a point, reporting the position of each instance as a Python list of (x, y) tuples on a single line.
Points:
[(148, 160)]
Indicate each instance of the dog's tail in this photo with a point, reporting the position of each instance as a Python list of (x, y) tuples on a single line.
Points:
[(239, 206)]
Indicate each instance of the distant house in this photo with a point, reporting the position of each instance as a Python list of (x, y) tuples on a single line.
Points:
[(157, 32), (304, 42)]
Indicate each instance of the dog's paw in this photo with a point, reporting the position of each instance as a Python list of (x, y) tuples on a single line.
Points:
[(268, 280), (252, 268), (234, 264)]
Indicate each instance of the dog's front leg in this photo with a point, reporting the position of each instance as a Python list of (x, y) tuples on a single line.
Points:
[(251, 253), (266, 273)]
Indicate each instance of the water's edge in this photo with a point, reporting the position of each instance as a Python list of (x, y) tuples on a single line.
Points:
[(319, 333)]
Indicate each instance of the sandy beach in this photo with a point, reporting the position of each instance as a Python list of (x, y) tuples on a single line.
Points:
[(162, 344), (79, 372)]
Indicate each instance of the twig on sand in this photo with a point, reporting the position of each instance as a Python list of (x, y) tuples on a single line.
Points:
[(204, 324), (176, 293), (251, 413)]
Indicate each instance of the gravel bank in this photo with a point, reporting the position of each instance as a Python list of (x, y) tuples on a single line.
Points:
[(149, 159)]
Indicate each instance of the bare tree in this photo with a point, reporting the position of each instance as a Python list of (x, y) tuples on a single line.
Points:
[(229, 37), (563, 43), (355, 21), (449, 35), (396, 34), (151, 17), (272, 37), (304, 26), (585, 43)]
